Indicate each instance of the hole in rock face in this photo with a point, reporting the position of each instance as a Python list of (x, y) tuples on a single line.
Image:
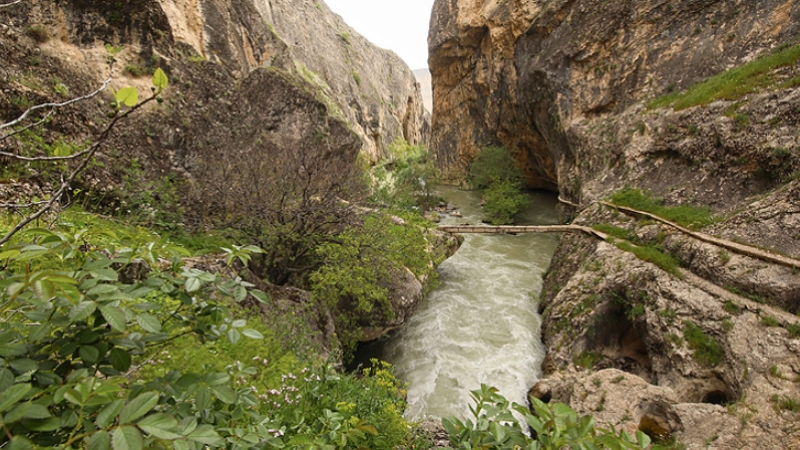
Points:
[(653, 428), (618, 340), (716, 398)]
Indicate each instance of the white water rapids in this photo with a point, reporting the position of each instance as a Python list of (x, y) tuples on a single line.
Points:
[(481, 324)]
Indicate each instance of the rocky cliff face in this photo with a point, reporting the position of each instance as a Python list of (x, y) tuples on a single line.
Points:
[(520, 73), (566, 86), (254, 86), (369, 88)]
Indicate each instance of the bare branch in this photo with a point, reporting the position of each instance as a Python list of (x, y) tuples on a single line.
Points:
[(89, 153), (33, 125), (46, 158), (21, 205), (54, 106), (6, 5)]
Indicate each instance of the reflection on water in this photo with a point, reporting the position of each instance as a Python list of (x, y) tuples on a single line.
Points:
[(481, 324)]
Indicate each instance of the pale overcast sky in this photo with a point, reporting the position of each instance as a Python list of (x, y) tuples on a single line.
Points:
[(399, 25)]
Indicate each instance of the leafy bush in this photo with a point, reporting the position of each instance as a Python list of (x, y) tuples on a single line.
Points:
[(352, 282), (556, 426), (495, 171), (73, 327), (690, 216), (408, 182), (707, 350), (503, 200), (494, 164)]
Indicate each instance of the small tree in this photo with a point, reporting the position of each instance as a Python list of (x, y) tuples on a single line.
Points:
[(495, 171)]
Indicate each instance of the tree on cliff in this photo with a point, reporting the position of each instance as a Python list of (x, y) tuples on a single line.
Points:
[(288, 201)]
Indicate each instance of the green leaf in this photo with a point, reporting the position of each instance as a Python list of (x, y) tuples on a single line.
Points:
[(6, 379), (160, 79), (99, 441), (107, 414), (149, 323), (192, 284), (127, 438), (233, 336), (105, 274), (101, 289), (642, 439), (216, 379), (89, 354), (37, 412), (180, 445), (202, 398), (16, 413), (115, 317), (20, 443), (138, 407), (239, 323), (252, 334), (13, 395), (51, 424), (9, 350), (9, 254), (239, 294), (225, 394), (120, 359), (24, 365), (161, 426), (82, 311), (205, 434), (260, 296), (128, 96)]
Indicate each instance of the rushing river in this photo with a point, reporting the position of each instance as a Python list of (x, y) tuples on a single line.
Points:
[(481, 324)]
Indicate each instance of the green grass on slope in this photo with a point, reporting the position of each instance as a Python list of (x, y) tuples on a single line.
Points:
[(689, 216), (732, 84)]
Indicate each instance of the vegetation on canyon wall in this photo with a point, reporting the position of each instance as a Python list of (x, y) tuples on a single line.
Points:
[(495, 171)]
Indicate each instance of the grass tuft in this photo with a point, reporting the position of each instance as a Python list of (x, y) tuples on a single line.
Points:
[(707, 350), (689, 216), (655, 255)]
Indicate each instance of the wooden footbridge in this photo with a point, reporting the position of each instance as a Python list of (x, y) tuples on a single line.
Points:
[(489, 229)]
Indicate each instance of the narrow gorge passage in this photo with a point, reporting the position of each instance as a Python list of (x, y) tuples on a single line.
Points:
[(481, 324)]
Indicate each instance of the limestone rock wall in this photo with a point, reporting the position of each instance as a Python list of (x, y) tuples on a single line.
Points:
[(522, 73), (565, 84)]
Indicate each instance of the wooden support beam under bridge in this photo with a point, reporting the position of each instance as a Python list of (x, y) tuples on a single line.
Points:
[(514, 229)]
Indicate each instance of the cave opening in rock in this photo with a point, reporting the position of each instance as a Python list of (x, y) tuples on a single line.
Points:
[(716, 397), (617, 338)]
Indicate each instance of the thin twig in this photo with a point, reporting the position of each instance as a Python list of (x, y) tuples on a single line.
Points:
[(45, 158), (33, 125), (89, 153), (10, 4), (56, 105), (21, 205)]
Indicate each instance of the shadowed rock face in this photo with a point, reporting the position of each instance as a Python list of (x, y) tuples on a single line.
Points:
[(521, 73)]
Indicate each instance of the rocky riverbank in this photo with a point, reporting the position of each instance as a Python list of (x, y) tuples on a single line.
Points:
[(655, 330)]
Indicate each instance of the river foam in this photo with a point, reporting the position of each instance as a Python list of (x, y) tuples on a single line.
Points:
[(481, 324)]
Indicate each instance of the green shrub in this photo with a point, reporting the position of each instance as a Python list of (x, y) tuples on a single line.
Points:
[(769, 321), (494, 164), (555, 426), (503, 200), (587, 359), (793, 329), (690, 216), (653, 254), (707, 350)]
